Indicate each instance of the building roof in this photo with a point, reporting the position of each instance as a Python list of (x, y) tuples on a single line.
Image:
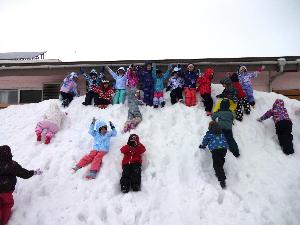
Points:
[(20, 55)]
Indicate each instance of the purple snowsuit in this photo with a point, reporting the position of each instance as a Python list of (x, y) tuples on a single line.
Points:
[(245, 81), (146, 80)]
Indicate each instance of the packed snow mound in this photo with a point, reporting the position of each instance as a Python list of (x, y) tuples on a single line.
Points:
[(178, 181)]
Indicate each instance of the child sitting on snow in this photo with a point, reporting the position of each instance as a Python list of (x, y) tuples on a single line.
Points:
[(225, 119), (93, 80), (120, 78), (134, 114), (204, 88), (98, 129), (245, 80), (175, 84), (242, 98), (131, 164), (283, 125), (9, 171), (53, 118), (217, 145), (105, 93), (69, 89), (159, 79)]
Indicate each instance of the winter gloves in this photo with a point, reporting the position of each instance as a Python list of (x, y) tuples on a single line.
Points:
[(202, 146), (38, 172), (111, 125), (259, 119), (94, 120)]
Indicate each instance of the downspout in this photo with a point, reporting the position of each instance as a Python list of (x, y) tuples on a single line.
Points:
[(281, 62)]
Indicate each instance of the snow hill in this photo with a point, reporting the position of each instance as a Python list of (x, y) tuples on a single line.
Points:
[(178, 182)]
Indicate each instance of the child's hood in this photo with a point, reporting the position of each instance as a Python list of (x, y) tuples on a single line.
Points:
[(208, 71), (99, 124), (5, 153), (225, 105), (278, 104)]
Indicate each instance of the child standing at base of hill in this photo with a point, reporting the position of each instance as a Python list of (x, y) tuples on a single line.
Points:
[(225, 119), (51, 123), (216, 142), (9, 171), (131, 164), (98, 129), (121, 79), (283, 125)]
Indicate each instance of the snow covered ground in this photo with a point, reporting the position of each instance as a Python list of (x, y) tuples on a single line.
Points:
[(178, 182)]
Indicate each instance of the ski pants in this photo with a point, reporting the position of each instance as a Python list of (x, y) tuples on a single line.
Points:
[(101, 102), (249, 92), (50, 128), (94, 157), (158, 97), (190, 96), (208, 102), (285, 137), (233, 147), (239, 112), (176, 95), (6, 204), (218, 156), (66, 96), (119, 96), (131, 177), (89, 97)]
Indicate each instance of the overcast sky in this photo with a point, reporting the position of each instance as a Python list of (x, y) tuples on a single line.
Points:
[(155, 29)]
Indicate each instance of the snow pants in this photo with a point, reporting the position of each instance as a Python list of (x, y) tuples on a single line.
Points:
[(249, 92), (6, 204), (190, 96), (285, 137), (131, 124), (119, 96), (51, 128), (94, 157), (233, 147), (218, 156), (176, 95), (101, 102), (66, 98), (208, 102), (158, 98), (131, 177), (89, 97), (148, 96), (239, 112)]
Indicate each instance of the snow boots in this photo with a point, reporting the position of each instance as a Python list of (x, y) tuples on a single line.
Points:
[(91, 175), (38, 137), (223, 184), (47, 141), (65, 103)]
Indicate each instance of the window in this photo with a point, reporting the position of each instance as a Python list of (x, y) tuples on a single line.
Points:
[(9, 97), (30, 96)]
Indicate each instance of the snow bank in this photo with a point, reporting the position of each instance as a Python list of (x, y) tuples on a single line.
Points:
[(178, 182)]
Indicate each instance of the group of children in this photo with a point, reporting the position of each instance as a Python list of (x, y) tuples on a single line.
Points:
[(237, 94)]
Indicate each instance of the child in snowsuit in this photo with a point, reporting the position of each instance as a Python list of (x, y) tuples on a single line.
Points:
[(131, 164), (120, 78), (159, 79), (217, 145), (9, 171), (245, 80), (98, 130), (132, 78), (190, 79), (105, 93), (69, 89), (146, 84), (134, 115), (53, 118), (93, 80), (225, 119), (283, 125), (242, 98), (204, 88), (175, 84)]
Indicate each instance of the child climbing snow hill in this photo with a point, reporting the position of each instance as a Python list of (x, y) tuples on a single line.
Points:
[(51, 122), (204, 88), (120, 86), (9, 171), (134, 115), (68, 89), (217, 145), (98, 130), (131, 164), (93, 80), (159, 79), (283, 125)]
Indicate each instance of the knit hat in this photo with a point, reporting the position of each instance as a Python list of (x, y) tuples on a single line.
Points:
[(176, 69), (121, 68), (5, 153), (214, 127), (105, 81), (73, 75), (242, 67), (225, 104), (93, 72)]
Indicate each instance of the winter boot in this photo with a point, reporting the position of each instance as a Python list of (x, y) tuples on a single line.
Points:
[(124, 188), (91, 175), (65, 103), (39, 137), (163, 104), (47, 141), (223, 184), (74, 169), (155, 106), (136, 187), (84, 103)]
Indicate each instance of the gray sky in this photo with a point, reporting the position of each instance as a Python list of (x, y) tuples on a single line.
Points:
[(157, 29)]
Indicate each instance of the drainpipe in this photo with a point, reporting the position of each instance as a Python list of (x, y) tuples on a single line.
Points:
[(281, 62), (298, 64)]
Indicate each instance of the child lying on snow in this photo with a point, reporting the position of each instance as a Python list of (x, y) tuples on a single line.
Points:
[(9, 171), (98, 129), (283, 125), (53, 118), (217, 145), (131, 164)]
